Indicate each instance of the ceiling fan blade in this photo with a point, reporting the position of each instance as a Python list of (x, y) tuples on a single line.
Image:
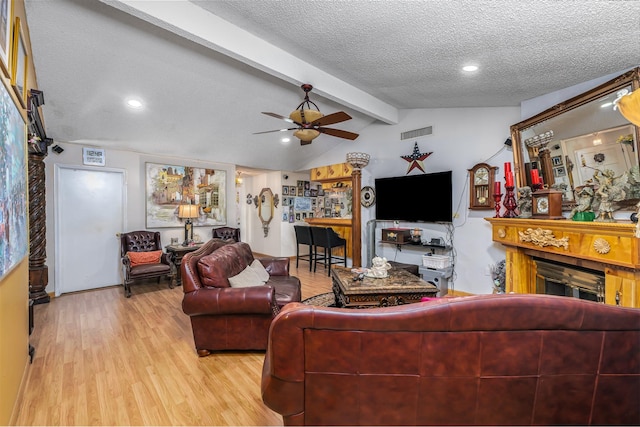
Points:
[(330, 119), (278, 116), (277, 130), (305, 142), (338, 132)]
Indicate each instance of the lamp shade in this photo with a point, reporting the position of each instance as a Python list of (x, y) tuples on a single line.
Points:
[(188, 211), (358, 160), (629, 106)]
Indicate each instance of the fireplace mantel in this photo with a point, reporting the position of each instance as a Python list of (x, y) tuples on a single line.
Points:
[(608, 247)]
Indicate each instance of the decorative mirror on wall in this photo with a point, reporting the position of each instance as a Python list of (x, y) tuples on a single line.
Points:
[(569, 142), (265, 209)]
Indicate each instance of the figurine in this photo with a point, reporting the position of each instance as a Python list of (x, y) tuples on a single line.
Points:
[(524, 202), (379, 268), (610, 189), (583, 211)]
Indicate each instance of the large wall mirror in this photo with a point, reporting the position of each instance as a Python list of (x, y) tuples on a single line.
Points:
[(265, 208), (570, 141)]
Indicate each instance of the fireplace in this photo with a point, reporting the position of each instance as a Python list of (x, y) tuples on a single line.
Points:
[(567, 280), (597, 261)]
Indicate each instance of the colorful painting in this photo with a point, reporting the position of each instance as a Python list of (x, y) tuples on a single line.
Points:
[(169, 186), (13, 185)]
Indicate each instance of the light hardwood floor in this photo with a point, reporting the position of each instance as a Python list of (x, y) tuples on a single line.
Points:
[(103, 359)]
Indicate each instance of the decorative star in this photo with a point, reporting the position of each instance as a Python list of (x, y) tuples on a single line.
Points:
[(416, 158)]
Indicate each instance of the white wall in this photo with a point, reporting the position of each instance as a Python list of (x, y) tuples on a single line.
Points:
[(134, 165), (461, 138)]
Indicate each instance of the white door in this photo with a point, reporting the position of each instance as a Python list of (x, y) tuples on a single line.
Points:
[(90, 207)]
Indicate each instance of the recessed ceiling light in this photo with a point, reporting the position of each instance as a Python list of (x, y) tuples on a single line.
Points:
[(285, 140), (606, 104), (470, 68), (134, 103)]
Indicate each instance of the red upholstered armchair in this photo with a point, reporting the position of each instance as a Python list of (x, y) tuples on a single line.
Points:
[(143, 258)]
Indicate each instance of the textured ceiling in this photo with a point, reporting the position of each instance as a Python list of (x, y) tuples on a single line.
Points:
[(204, 101)]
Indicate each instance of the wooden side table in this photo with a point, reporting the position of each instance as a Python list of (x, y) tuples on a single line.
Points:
[(179, 252)]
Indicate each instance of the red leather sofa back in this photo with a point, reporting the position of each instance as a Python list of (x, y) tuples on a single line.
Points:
[(494, 359)]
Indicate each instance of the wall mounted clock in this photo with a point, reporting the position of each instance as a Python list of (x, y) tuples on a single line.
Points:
[(367, 196), (481, 186)]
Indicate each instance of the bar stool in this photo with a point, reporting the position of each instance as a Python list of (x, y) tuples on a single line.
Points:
[(303, 237), (327, 239)]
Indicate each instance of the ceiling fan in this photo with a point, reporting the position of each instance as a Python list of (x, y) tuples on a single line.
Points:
[(310, 122)]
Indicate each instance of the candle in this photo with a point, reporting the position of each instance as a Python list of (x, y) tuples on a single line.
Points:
[(507, 168), (508, 180), (496, 188), (534, 176)]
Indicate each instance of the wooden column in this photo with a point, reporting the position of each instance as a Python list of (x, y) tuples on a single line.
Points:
[(356, 232), (38, 271)]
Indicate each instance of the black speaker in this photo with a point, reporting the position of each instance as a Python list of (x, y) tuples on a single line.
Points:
[(508, 142)]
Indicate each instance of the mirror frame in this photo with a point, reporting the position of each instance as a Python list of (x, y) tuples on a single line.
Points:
[(631, 77), (264, 194)]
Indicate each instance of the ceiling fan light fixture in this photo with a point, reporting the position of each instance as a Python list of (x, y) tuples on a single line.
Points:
[(306, 134), (309, 115)]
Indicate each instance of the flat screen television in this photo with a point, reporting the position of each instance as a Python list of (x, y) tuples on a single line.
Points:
[(415, 198)]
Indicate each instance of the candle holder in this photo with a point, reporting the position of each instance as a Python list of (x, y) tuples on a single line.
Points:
[(496, 199), (510, 203)]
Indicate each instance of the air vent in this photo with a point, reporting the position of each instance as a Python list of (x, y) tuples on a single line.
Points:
[(416, 133)]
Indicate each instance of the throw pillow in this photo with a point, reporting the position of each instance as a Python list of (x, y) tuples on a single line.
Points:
[(262, 272), (247, 278), (140, 258)]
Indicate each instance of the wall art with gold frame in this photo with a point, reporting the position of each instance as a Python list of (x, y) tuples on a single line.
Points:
[(19, 63), (169, 186), (5, 36), (13, 176)]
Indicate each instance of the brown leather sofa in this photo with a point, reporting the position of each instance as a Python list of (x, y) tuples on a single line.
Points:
[(485, 360), (227, 318)]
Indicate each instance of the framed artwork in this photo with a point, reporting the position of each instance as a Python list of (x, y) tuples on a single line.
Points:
[(559, 172), (13, 175), (292, 190), (19, 63), (5, 36), (285, 190), (556, 160), (168, 186)]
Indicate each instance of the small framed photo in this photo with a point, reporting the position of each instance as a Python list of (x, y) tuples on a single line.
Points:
[(556, 160), (292, 190), (559, 172), (285, 190), (19, 62)]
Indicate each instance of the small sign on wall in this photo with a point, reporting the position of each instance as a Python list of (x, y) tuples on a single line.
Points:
[(93, 156)]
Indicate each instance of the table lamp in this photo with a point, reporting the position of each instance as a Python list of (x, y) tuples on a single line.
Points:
[(187, 212)]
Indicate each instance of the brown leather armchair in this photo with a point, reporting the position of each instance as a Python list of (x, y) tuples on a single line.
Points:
[(138, 242), (228, 318), (226, 233)]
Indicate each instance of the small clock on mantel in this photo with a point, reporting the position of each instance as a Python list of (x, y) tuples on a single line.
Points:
[(547, 204), (481, 181)]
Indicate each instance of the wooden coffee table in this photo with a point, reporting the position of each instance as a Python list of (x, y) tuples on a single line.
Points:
[(400, 287)]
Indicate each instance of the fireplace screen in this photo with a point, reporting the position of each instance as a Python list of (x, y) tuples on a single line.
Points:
[(567, 280)]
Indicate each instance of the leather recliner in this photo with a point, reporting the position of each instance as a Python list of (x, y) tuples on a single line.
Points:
[(228, 318)]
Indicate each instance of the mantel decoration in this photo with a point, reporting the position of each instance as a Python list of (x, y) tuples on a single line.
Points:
[(169, 186), (416, 158)]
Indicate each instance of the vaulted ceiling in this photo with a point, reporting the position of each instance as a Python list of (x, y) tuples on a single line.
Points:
[(205, 70)]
